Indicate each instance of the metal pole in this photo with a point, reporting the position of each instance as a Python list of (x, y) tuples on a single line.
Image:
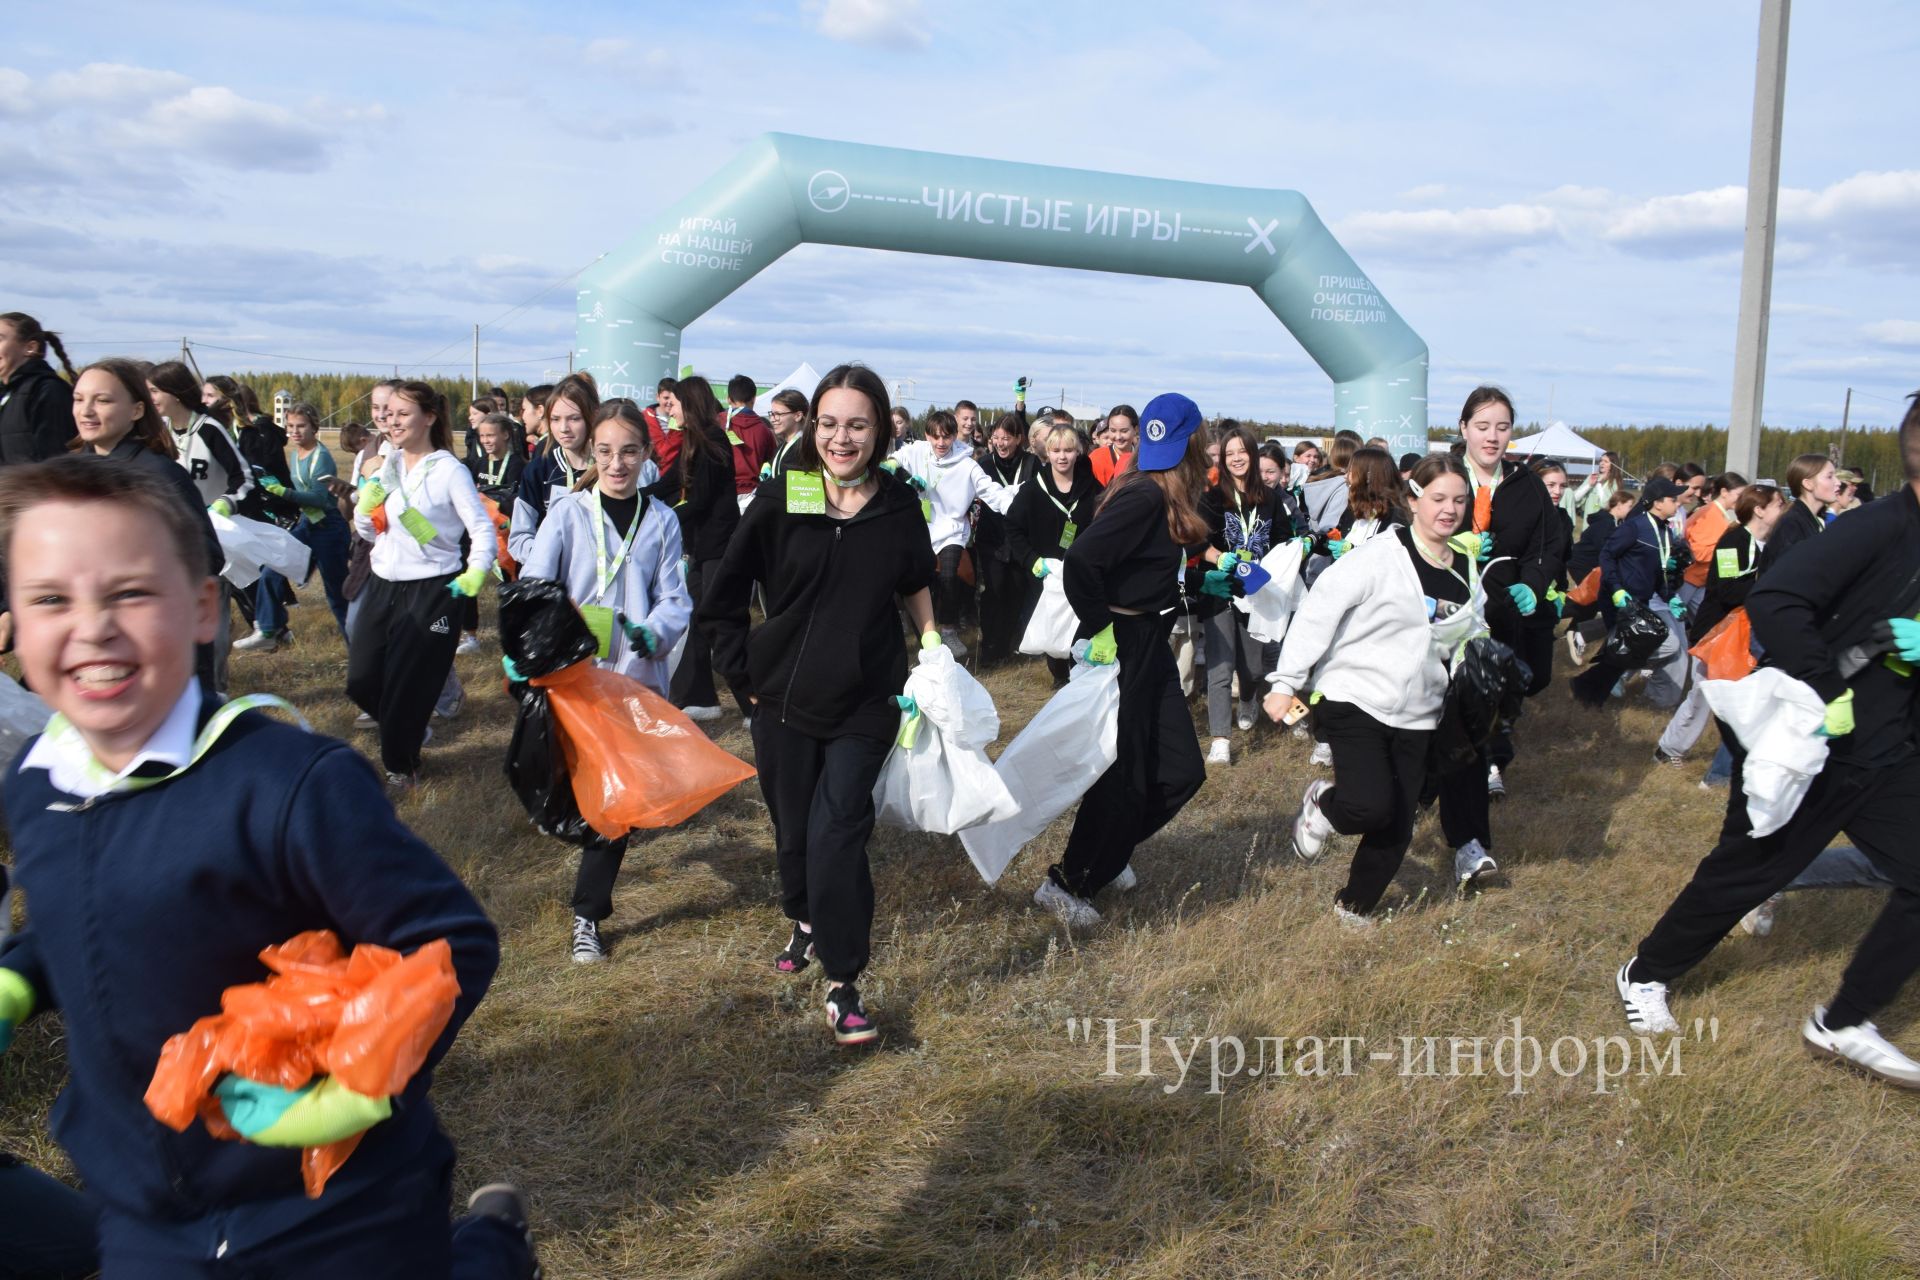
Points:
[(1846, 409), (474, 394), (569, 362), (1756, 267)]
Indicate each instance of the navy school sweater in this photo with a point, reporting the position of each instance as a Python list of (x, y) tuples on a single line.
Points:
[(145, 906)]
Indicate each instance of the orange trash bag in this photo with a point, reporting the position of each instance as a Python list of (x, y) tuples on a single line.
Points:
[(509, 567), (634, 758), (1587, 591), (1728, 648), (369, 1019)]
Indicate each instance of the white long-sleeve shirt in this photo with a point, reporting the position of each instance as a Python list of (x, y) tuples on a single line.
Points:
[(441, 489), (953, 482)]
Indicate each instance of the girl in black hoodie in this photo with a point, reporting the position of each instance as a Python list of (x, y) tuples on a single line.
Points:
[(840, 545), (700, 487), (1811, 485), (1048, 513), (36, 407)]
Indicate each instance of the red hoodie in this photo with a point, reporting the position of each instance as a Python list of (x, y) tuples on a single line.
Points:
[(753, 447), (666, 444)]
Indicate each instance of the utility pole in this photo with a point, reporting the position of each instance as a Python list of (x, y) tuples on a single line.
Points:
[(1756, 265), (474, 394), (1846, 409), (569, 363)]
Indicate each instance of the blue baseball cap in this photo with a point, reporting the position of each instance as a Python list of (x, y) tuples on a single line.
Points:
[(1167, 423)]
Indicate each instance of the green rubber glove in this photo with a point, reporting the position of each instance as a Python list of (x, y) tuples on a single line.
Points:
[(274, 487), (1040, 569), (373, 496), (1906, 635), (16, 1003), (639, 635), (1228, 561), (1677, 607), (1839, 720), (932, 640), (222, 508), (1523, 599), (513, 672), (314, 1115), (1338, 548), (906, 703), (1672, 563), (468, 584), (1477, 545), (1216, 583), (1103, 649), (1620, 598), (1020, 389)]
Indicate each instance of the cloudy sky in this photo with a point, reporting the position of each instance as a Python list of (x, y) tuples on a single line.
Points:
[(1551, 195)]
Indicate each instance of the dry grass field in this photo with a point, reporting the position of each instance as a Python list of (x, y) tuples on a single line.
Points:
[(681, 1110)]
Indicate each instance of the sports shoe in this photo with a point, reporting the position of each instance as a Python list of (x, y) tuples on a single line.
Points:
[(1245, 718), (1646, 1004), (1126, 881), (1863, 1046), (701, 715), (848, 1016), (454, 704), (402, 781), (799, 952), (1299, 731), (1576, 646), (258, 642), (1075, 913), (950, 636), (504, 1202), (1471, 861), (1661, 757), (1351, 919), (1322, 755), (1221, 752), (426, 735), (587, 947), (1496, 785), (365, 721), (1310, 826), (469, 643), (1759, 921)]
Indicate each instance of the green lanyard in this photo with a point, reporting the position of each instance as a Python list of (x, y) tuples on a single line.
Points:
[(65, 737), (419, 479), (494, 473), (1663, 536), (1044, 481), (605, 573)]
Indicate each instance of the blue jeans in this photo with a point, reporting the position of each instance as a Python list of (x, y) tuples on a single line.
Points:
[(328, 542)]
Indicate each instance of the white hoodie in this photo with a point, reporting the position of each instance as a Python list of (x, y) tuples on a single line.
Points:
[(953, 482), (1362, 637)]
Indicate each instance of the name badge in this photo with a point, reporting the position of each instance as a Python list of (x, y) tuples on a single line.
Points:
[(1727, 561), (418, 525), (734, 439), (1068, 532), (806, 494), (599, 620)]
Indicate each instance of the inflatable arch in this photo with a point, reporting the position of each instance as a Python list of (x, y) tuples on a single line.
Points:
[(784, 190)]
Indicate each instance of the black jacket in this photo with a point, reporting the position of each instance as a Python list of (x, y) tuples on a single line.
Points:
[(830, 656), (1585, 556), (1730, 577), (1520, 526), (1790, 531), (1035, 523), (502, 493), (36, 414), (1126, 557), (1826, 596), (264, 444), (175, 476), (990, 537), (706, 503)]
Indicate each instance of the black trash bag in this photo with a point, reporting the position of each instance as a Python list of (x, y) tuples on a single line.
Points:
[(1485, 694), (543, 633), (1637, 633)]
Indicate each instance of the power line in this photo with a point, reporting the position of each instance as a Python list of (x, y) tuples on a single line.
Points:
[(371, 364)]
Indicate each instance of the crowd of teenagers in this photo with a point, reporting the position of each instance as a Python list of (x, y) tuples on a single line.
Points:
[(790, 569)]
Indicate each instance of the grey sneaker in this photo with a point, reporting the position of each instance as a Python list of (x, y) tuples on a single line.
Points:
[(1471, 861), (587, 947), (1311, 829), (1075, 913), (1759, 921)]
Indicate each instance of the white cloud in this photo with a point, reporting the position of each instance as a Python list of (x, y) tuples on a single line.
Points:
[(887, 24), (1843, 364), (1673, 372), (1425, 193), (606, 51), (1868, 217), (1449, 234), (110, 84), (1893, 333), (231, 131)]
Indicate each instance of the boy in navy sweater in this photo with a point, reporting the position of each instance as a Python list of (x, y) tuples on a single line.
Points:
[(163, 842)]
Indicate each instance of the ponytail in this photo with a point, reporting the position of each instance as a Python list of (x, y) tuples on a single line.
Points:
[(27, 329)]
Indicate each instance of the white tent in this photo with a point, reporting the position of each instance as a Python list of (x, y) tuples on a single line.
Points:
[(804, 380), (1557, 441)]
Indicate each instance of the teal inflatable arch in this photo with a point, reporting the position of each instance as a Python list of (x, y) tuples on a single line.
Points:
[(784, 190)]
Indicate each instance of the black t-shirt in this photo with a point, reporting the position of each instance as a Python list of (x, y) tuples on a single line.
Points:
[(1436, 582), (621, 511)]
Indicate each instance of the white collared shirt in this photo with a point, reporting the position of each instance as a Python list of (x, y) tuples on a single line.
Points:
[(70, 762)]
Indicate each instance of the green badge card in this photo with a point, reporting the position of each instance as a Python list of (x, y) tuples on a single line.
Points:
[(806, 494), (418, 525), (599, 620)]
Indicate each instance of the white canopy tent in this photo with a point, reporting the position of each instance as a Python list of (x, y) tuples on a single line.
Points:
[(1557, 441), (804, 380)]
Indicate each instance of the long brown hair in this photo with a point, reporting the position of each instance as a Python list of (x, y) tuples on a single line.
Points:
[(1182, 486), (440, 434), (150, 429), (27, 329), (700, 423), (1256, 491), (627, 414), (1373, 484)]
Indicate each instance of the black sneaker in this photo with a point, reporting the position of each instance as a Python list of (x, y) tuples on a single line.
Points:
[(798, 953), (587, 947), (506, 1203), (848, 1016)]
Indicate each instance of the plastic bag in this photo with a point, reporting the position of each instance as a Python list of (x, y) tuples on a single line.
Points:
[(543, 633), (1728, 648), (1050, 631), (1061, 753), (937, 776), (1637, 635), (502, 556), (1776, 719), (22, 715), (1485, 693), (1586, 592), (635, 758), (1270, 609), (252, 545), (368, 1019)]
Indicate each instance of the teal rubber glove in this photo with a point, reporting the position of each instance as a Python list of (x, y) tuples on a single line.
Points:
[(893, 468), (639, 635), (906, 703), (1677, 607), (1839, 718), (16, 1003), (1020, 387), (1338, 548), (1216, 583), (468, 584), (1103, 650), (314, 1115), (513, 672), (1523, 599), (1620, 598), (1906, 636), (1040, 569), (274, 487), (222, 508), (1559, 602), (1228, 561), (373, 496), (1672, 563)]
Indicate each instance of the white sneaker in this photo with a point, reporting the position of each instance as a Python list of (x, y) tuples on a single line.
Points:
[(1245, 718), (1221, 752), (1496, 785), (1863, 1046), (258, 642), (1759, 921), (365, 721), (1310, 826), (701, 715), (587, 947), (1322, 755), (950, 636), (1646, 1004), (469, 643), (1075, 913), (1471, 861), (1126, 881), (1299, 731), (1576, 646), (1351, 919)]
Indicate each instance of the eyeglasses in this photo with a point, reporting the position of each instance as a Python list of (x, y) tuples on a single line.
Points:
[(854, 430)]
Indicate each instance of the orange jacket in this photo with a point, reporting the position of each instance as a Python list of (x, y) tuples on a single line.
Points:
[(1106, 464), (1704, 528)]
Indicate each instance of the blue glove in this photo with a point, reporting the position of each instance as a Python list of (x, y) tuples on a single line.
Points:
[(1906, 636), (1339, 548), (513, 672), (1677, 607), (639, 635), (1217, 583), (1523, 599), (1672, 564), (906, 703)]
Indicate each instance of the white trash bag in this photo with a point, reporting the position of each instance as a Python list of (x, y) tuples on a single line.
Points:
[(937, 777), (253, 545), (1050, 632), (1052, 763), (1269, 609), (1775, 717), (22, 715)]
